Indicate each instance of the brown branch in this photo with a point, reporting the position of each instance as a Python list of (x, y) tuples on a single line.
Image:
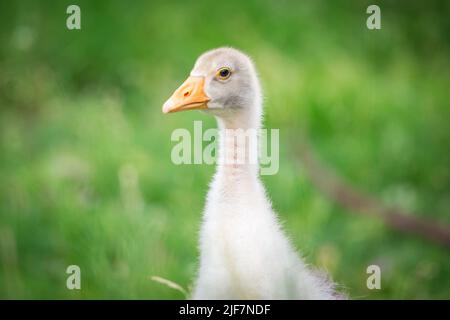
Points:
[(350, 198)]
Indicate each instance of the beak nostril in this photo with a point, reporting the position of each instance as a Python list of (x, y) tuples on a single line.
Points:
[(189, 96)]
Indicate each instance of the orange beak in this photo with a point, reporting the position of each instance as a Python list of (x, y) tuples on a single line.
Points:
[(189, 96)]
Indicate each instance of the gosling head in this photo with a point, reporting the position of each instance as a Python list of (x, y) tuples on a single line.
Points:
[(224, 83)]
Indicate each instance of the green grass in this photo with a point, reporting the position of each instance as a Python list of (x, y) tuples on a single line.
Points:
[(85, 169)]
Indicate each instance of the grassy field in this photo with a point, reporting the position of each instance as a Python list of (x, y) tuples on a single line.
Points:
[(85, 170)]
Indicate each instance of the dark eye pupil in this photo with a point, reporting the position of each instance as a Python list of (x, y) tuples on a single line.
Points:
[(224, 73)]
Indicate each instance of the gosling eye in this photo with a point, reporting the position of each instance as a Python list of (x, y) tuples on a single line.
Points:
[(223, 73)]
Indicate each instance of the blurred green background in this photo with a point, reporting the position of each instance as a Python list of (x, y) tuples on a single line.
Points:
[(85, 170)]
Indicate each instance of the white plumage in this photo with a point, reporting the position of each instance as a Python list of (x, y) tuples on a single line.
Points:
[(244, 253)]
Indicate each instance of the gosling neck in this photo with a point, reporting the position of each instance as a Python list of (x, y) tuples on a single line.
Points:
[(238, 145)]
